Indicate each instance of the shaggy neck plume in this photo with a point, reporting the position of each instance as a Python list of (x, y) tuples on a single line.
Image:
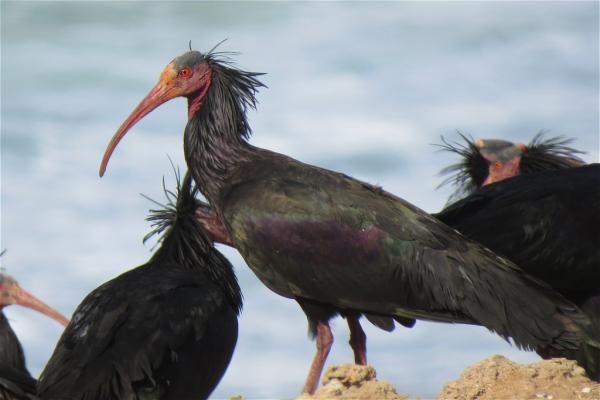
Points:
[(215, 136), (470, 172), (549, 154), (186, 244)]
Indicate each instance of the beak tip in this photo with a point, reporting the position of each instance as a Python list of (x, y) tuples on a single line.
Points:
[(102, 170)]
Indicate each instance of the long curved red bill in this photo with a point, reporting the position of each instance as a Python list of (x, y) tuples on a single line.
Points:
[(28, 300), (160, 94)]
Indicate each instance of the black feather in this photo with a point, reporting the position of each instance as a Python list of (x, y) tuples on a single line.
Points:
[(548, 224), (164, 330), (470, 172), (323, 238), (554, 153), (185, 242), (15, 381), (222, 118)]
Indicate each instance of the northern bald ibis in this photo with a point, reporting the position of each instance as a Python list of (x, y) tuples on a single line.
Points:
[(484, 161), (337, 245), (164, 330), (16, 383), (548, 223)]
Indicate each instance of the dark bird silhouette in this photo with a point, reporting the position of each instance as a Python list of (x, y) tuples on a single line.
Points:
[(484, 161), (549, 224), (164, 330), (337, 245), (16, 383)]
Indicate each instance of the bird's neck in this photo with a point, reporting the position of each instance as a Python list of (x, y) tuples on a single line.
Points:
[(212, 157), (11, 352), (215, 139), (187, 246)]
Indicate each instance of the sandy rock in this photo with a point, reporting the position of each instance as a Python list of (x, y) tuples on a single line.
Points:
[(499, 378), (349, 381)]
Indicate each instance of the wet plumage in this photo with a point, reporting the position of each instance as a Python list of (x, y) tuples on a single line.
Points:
[(335, 244), (16, 383), (164, 330), (484, 161), (547, 223)]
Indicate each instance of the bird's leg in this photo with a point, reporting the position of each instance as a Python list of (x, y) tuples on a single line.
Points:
[(211, 222), (358, 339), (324, 342)]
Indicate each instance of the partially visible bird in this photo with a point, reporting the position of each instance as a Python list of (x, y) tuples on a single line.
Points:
[(336, 245), (484, 161), (548, 223), (16, 383), (165, 330)]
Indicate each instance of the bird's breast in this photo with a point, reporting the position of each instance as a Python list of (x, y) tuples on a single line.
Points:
[(293, 257)]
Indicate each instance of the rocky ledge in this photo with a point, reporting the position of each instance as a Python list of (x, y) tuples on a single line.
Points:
[(491, 379)]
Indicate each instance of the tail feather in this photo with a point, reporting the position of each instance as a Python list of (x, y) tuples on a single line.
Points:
[(589, 353), (588, 357)]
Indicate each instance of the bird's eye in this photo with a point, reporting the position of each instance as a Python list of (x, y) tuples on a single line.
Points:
[(497, 165), (185, 73)]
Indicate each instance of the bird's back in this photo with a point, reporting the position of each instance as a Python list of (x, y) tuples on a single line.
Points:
[(165, 330), (316, 234), (547, 223), (151, 333)]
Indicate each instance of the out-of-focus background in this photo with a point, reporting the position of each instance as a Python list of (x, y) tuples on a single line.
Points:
[(363, 88)]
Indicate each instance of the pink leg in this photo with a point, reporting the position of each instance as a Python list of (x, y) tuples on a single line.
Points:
[(358, 339), (324, 342)]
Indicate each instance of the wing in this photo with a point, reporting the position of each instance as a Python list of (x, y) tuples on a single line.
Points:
[(124, 331), (547, 223), (15, 384), (312, 233)]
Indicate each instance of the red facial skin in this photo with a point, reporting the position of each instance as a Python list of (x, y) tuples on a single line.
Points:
[(500, 166), (192, 83), (499, 171)]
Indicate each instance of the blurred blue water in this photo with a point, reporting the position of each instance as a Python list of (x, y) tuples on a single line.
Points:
[(363, 88)]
